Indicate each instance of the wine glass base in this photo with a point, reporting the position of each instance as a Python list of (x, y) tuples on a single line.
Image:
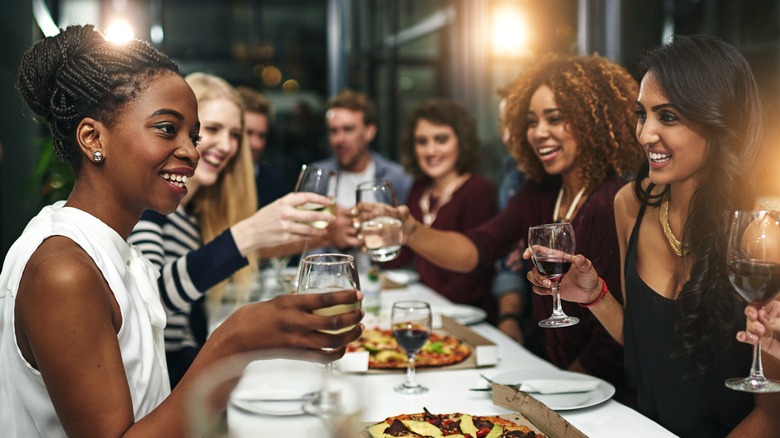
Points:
[(408, 389), (751, 384), (558, 322), (321, 406)]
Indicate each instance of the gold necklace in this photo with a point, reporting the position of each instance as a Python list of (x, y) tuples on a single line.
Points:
[(663, 215), (572, 207), (429, 214)]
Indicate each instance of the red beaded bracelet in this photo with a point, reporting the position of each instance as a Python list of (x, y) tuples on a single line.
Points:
[(604, 291)]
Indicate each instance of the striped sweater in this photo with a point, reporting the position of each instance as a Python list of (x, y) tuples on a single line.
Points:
[(188, 268)]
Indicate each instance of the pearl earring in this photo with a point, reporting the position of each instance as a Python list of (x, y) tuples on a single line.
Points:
[(97, 156)]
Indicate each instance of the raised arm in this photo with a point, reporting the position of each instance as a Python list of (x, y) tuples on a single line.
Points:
[(447, 249)]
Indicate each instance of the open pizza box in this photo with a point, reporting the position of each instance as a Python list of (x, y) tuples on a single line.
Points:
[(544, 419), (485, 352)]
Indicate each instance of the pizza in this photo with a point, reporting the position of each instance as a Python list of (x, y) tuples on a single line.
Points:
[(384, 352), (449, 425)]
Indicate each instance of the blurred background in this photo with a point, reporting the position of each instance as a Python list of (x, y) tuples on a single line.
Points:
[(399, 52)]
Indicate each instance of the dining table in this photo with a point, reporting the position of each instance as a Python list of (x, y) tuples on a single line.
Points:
[(463, 389)]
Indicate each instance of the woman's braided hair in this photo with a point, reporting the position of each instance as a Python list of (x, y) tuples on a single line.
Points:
[(78, 74)]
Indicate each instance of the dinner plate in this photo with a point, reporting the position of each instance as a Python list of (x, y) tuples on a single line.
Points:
[(561, 402), (275, 392), (463, 313), (403, 277)]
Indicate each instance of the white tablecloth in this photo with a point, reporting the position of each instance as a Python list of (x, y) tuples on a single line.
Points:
[(449, 389)]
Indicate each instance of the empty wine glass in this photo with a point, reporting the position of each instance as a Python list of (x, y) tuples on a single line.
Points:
[(321, 181), (322, 273), (754, 270), (382, 233), (411, 324), (552, 246)]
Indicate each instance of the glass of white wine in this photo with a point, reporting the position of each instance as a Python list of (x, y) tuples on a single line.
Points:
[(321, 181), (323, 273), (381, 232)]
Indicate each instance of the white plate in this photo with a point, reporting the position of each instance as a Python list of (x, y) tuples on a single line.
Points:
[(269, 391), (404, 277), (463, 313), (561, 402)]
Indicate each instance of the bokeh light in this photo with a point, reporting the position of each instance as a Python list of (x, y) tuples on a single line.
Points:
[(271, 76), (509, 31), (119, 31), (291, 86)]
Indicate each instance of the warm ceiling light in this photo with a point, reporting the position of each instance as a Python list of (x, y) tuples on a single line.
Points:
[(510, 31), (119, 31)]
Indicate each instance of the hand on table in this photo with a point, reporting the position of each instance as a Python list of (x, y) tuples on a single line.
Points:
[(763, 324)]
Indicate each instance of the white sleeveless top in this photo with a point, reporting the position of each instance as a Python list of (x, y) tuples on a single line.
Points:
[(25, 407)]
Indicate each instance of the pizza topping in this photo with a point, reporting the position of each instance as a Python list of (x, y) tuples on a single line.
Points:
[(482, 424), (396, 429), (385, 353), (449, 425)]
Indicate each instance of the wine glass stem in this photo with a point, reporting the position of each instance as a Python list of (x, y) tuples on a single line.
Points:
[(557, 308), (757, 369), (410, 372)]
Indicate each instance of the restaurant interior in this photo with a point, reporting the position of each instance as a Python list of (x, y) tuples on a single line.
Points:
[(400, 52), (300, 52)]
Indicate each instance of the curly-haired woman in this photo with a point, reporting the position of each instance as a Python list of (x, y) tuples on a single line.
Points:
[(440, 150), (700, 120), (570, 124)]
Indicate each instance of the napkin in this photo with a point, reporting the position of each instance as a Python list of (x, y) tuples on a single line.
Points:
[(558, 386)]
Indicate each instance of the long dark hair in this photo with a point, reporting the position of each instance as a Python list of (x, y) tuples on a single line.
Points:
[(711, 84)]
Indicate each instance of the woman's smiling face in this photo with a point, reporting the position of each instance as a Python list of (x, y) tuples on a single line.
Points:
[(676, 147), (436, 149), (549, 135), (221, 132)]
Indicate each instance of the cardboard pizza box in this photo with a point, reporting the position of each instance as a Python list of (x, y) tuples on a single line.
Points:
[(485, 352), (545, 419)]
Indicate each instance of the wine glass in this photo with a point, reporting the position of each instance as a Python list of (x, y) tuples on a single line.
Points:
[(754, 271), (322, 273), (552, 246), (382, 234), (321, 181), (411, 324)]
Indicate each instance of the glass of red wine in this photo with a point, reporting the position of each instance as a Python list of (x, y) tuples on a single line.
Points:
[(754, 271), (552, 246), (411, 324)]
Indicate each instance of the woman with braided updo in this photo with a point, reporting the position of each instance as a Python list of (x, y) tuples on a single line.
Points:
[(81, 322), (569, 122)]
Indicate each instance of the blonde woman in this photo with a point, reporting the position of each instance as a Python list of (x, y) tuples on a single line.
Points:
[(215, 232)]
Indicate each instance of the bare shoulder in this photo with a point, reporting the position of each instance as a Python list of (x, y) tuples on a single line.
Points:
[(626, 203), (62, 284), (58, 267)]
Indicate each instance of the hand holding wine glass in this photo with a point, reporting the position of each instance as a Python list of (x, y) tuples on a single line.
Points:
[(381, 233), (552, 246), (323, 273), (411, 324), (754, 270), (321, 181)]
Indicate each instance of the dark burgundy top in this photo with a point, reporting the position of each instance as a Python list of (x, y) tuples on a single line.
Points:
[(596, 238), (472, 204)]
